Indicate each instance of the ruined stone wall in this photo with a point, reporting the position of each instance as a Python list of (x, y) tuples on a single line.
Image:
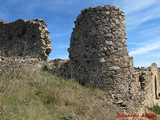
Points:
[(21, 38), (144, 88), (11, 64), (98, 56), (152, 87), (98, 51)]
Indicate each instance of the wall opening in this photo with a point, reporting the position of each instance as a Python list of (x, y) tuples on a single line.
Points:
[(155, 82), (142, 81)]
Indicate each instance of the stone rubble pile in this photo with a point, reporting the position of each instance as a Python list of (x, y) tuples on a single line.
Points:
[(59, 67)]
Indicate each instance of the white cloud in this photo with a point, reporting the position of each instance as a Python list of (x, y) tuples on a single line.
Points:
[(135, 20), (141, 63), (144, 50), (139, 12), (134, 5), (60, 57), (139, 16), (150, 30), (61, 47), (64, 57), (147, 47), (147, 59)]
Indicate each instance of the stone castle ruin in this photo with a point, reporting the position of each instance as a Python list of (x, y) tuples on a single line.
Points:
[(24, 38), (23, 44), (98, 51), (98, 56)]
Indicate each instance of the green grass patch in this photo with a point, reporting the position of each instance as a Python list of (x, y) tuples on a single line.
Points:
[(40, 96), (155, 109)]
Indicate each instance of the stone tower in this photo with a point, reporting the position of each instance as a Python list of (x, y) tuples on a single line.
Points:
[(98, 51)]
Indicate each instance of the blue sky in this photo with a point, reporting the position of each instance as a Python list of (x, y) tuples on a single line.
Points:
[(142, 18)]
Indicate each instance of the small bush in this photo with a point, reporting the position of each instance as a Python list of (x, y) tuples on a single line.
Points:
[(155, 109)]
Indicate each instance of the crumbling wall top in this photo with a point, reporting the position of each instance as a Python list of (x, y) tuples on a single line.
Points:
[(24, 38)]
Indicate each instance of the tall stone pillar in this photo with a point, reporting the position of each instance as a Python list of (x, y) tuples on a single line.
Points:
[(98, 51)]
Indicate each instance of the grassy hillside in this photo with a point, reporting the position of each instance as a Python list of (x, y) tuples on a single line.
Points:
[(42, 96)]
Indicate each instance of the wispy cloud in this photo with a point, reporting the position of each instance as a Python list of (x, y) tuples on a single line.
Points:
[(143, 63), (139, 12), (147, 47), (61, 47), (135, 20), (146, 59), (60, 13), (150, 30), (139, 17), (64, 57), (134, 5), (153, 54)]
